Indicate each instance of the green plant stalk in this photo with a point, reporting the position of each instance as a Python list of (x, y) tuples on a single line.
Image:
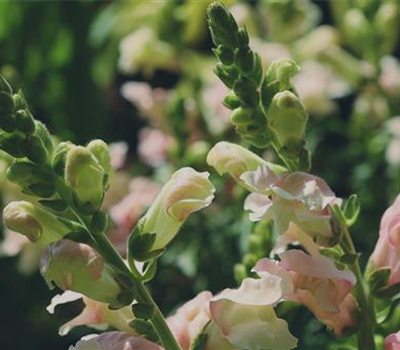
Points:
[(111, 256), (365, 336)]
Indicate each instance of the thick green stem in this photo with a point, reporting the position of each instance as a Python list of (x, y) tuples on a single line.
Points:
[(365, 336)]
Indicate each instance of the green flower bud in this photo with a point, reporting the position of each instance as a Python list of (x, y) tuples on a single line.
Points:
[(85, 176), (35, 149), (246, 90), (242, 116), (287, 119), (282, 71), (222, 25), (80, 268), (231, 102), (102, 153), (25, 122), (186, 192), (60, 156), (228, 78), (12, 144), (42, 132), (39, 225), (233, 159), (245, 59), (243, 38), (225, 55)]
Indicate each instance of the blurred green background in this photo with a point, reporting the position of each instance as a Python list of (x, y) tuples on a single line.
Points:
[(64, 55)]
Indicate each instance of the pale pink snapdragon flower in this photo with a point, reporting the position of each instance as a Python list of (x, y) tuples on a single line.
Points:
[(392, 341), (190, 319), (387, 250), (95, 314), (297, 197), (114, 341), (317, 284)]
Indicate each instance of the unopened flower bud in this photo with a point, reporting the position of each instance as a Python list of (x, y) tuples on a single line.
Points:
[(233, 159), (44, 134), (85, 176), (287, 118), (35, 149), (102, 153), (223, 26), (12, 144), (186, 192), (79, 268), (60, 156), (39, 225), (242, 116), (246, 90), (224, 54), (25, 122), (281, 71)]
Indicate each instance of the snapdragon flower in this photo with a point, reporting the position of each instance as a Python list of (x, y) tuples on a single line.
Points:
[(298, 197), (186, 192), (95, 314), (114, 341), (392, 341), (386, 254), (37, 224), (80, 268), (318, 284), (235, 160)]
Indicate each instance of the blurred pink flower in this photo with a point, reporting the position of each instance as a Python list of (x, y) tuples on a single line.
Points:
[(114, 341), (318, 284), (217, 115), (296, 197), (392, 341), (387, 249), (390, 76), (95, 314), (190, 319), (151, 102), (118, 151), (153, 146)]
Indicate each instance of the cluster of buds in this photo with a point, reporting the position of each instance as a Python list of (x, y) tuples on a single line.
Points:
[(265, 109), (21, 136)]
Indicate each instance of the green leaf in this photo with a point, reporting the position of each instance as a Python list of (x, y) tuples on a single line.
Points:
[(58, 205), (99, 221), (143, 311), (349, 258), (145, 329), (150, 271), (140, 243), (351, 210)]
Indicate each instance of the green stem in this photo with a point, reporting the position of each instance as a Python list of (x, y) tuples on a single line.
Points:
[(111, 256), (365, 336)]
